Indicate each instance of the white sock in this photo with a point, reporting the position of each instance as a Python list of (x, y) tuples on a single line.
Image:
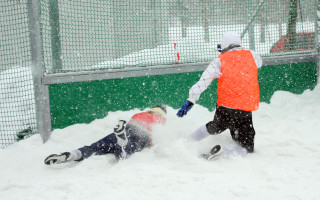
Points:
[(75, 155), (199, 133)]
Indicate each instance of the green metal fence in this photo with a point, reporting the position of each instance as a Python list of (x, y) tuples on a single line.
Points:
[(91, 35), (17, 114), (83, 40)]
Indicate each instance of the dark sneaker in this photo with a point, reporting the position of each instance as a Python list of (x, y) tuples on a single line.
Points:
[(120, 127), (215, 151), (57, 159)]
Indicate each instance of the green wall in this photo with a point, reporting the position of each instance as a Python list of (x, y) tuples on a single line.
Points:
[(83, 102)]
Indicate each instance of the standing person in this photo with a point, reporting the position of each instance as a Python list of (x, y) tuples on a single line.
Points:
[(238, 92), (126, 139)]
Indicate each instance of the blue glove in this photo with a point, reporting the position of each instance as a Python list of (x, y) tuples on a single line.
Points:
[(185, 108)]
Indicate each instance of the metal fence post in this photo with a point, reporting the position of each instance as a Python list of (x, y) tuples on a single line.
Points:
[(252, 18), (251, 27), (317, 36), (55, 35), (41, 91)]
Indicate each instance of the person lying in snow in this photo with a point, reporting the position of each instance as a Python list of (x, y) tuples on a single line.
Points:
[(126, 139)]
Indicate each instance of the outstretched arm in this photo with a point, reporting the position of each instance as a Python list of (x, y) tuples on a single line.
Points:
[(212, 72)]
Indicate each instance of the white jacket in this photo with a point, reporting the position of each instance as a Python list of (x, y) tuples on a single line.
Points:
[(212, 72)]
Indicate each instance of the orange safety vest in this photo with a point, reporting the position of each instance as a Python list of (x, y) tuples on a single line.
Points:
[(238, 85)]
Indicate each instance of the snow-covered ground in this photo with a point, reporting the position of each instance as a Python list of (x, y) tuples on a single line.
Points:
[(285, 164)]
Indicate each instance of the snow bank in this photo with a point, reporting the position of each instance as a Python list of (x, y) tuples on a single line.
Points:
[(284, 166)]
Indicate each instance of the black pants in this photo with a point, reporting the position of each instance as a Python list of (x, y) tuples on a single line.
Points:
[(137, 141), (238, 122)]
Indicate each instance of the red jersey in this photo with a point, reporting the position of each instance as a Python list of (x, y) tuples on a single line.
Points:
[(145, 121)]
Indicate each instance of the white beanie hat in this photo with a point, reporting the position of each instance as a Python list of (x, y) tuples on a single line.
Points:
[(230, 38)]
